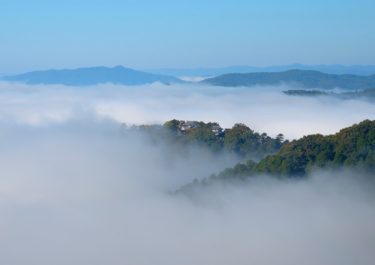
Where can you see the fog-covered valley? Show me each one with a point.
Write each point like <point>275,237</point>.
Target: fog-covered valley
<point>79,187</point>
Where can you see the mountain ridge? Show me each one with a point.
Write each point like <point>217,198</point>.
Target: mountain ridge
<point>215,71</point>
<point>86,76</point>
<point>304,78</point>
<point>351,148</point>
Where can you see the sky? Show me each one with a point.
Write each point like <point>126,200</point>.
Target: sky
<point>144,34</point>
<point>77,187</point>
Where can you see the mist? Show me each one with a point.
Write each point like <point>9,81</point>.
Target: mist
<point>76,188</point>
<point>264,109</point>
<point>94,196</point>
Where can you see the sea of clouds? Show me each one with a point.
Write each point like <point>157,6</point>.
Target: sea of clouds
<point>76,189</point>
<point>264,109</point>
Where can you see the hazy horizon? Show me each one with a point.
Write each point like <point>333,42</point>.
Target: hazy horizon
<point>199,71</point>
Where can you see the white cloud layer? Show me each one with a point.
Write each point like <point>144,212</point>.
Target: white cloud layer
<point>91,196</point>
<point>74,189</point>
<point>264,109</point>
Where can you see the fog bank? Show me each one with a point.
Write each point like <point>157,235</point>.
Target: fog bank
<point>96,196</point>
<point>76,188</point>
<point>265,109</point>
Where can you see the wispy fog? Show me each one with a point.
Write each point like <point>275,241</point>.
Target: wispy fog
<point>76,189</point>
<point>94,196</point>
<point>265,109</point>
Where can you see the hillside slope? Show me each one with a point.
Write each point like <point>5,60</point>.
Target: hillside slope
<point>352,147</point>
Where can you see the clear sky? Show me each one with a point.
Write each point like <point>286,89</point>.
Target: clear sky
<point>40,34</point>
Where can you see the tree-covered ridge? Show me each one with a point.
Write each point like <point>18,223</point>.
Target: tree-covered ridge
<point>239,139</point>
<point>358,94</point>
<point>352,147</point>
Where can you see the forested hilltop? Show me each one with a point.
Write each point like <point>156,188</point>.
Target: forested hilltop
<point>352,147</point>
<point>240,139</point>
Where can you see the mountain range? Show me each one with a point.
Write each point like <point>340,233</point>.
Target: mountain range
<point>209,72</point>
<point>300,78</point>
<point>126,76</point>
<point>92,76</point>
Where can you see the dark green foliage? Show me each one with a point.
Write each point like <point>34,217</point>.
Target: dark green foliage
<point>298,157</point>
<point>356,145</point>
<point>203,134</point>
<point>172,125</point>
<point>353,147</point>
<point>240,139</point>
<point>309,93</point>
<point>358,94</point>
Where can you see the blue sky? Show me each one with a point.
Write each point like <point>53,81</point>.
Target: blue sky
<point>143,34</point>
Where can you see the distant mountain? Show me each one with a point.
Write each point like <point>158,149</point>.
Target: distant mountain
<point>301,78</point>
<point>92,76</point>
<point>328,69</point>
